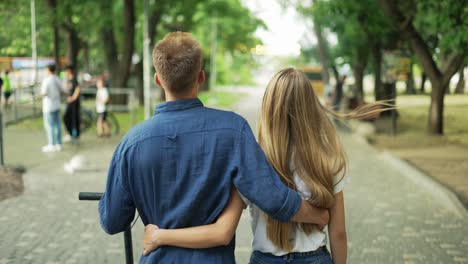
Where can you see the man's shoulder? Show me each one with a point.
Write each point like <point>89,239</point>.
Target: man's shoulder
<point>47,78</point>
<point>213,119</point>
<point>139,131</point>
<point>225,118</point>
<point>46,81</point>
<point>50,78</point>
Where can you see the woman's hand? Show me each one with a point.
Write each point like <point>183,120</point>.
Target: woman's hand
<point>150,239</point>
<point>216,234</point>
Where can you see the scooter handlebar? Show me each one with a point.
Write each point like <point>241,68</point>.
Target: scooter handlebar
<point>90,196</point>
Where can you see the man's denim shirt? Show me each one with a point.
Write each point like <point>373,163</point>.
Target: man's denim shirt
<point>177,170</point>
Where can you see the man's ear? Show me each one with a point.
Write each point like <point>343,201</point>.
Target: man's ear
<point>201,77</point>
<point>157,80</point>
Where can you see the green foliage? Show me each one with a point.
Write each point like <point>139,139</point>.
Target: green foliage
<point>236,28</point>
<point>235,68</point>
<point>443,24</point>
<point>412,121</point>
<point>357,24</point>
<point>222,99</point>
<point>236,25</point>
<point>15,32</point>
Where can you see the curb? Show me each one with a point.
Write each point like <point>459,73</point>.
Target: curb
<point>443,194</point>
<point>439,191</point>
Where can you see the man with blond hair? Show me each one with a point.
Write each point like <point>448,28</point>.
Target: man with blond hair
<point>178,167</point>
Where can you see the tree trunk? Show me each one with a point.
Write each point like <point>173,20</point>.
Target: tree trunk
<point>358,73</point>
<point>52,4</point>
<point>119,69</point>
<point>336,74</point>
<point>377,53</point>
<point>72,43</point>
<point>410,81</point>
<point>128,42</point>
<point>86,56</point>
<point>56,51</point>
<point>140,87</point>
<point>359,67</point>
<point>110,54</point>
<point>154,19</point>
<point>322,51</point>
<point>112,61</point>
<point>423,82</point>
<point>460,89</point>
<point>436,110</point>
<point>440,78</point>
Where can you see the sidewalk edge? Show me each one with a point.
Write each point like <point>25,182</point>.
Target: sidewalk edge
<point>439,191</point>
<point>446,196</point>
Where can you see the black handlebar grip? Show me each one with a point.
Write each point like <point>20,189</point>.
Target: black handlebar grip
<point>90,196</point>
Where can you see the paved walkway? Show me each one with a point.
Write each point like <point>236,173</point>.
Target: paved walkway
<point>390,217</point>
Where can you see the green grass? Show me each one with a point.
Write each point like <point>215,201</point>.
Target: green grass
<point>30,124</point>
<point>413,120</point>
<point>218,99</point>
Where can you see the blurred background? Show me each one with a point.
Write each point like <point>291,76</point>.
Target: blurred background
<point>409,166</point>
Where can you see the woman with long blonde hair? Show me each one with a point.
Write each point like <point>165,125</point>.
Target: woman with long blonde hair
<point>300,141</point>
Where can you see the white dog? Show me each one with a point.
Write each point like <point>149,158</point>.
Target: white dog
<point>77,163</point>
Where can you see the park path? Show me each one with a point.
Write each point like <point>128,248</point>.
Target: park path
<point>391,218</point>
<point>47,224</point>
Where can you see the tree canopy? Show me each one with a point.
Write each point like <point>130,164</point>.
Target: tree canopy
<point>98,35</point>
<point>433,31</point>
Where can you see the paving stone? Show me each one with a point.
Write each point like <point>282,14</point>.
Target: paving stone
<point>390,219</point>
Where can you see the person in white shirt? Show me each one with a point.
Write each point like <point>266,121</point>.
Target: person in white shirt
<point>301,143</point>
<point>51,90</point>
<point>102,98</point>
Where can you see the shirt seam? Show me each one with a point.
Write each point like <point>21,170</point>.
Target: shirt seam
<point>238,143</point>
<point>185,133</point>
<point>118,161</point>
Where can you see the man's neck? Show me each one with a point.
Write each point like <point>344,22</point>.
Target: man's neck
<point>172,97</point>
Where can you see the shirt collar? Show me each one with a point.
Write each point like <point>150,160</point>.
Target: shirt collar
<point>177,105</point>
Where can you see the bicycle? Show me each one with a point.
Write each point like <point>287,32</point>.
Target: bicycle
<point>89,119</point>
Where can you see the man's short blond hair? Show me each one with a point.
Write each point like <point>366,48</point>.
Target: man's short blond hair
<point>177,59</point>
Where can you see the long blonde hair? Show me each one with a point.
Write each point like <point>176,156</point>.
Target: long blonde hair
<point>294,126</point>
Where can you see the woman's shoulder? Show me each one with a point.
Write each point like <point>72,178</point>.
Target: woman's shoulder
<point>340,181</point>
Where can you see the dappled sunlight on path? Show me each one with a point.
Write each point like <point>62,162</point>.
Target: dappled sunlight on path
<point>391,217</point>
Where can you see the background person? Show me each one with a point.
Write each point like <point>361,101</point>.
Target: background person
<point>338,93</point>
<point>102,99</point>
<point>6,87</point>
<point>1,88</point>
<point>51,90</point>
<point>72,111</point>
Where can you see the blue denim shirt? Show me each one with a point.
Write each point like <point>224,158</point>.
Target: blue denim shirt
<point>177,170</point>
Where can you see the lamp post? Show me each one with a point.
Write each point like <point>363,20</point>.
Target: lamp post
<point>33,39</point>
<point>214,46</point>
<point>146,61</point>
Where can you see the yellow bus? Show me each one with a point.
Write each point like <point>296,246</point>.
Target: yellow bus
<point>314,73</point>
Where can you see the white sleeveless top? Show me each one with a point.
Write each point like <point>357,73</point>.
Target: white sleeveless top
<point>301,241</point>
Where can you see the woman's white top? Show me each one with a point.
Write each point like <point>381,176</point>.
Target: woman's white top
<point>301,241</point>
<point>102,95</point>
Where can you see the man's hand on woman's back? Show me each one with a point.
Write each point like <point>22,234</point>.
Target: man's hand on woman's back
<point>310,214</point>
